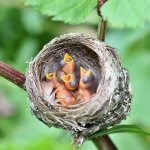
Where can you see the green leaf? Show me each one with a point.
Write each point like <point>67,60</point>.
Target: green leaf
<point>121,129</point>
<point>130,13</point>
<point>121,13</point>
<point>69,11</point>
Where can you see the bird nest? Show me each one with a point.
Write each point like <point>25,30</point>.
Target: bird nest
<point>110,100</point>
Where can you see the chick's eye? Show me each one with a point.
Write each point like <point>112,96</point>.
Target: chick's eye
<point>73,83</point>
<point>62,62</point>
<point>86,79</point>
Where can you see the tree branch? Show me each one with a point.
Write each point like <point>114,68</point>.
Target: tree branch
<point>102,23</point>
<point>104,143</point>
<point>12,75</point>
<point>101,29</point>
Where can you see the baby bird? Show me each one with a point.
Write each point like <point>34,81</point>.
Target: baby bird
<point>86,77</point>
<point>64,96</point>
<point>47,88</point>
<point>49,95</point>
<point>83,94</point>
<point>59,74</point>
<point>52,78</point>
<point>70,81</point>
<point>67,64</point>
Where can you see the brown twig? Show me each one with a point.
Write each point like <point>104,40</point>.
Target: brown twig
<point>104,143</point>
<point>12,75</point>
<point>101,30</point>
<point>103,22</point>
<point>100,3</point>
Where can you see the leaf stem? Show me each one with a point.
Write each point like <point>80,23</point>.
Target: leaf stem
<point>12,75</point>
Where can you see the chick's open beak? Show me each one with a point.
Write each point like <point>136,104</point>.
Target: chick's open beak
<point>67,64</point>
<point>86,77</point>
<point>70,82</point>
<point>68,58</point>
<point>52,78</point>
<point>87,73</point>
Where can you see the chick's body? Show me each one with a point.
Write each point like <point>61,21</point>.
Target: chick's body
<point>85,83</point>
<point>83,94</point>
<point>70,82</point>
<point>66,84</point>
<point>64,96</point>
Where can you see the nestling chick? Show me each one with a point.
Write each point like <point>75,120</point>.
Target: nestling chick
<point>85,83</point>
<point>86,77</point>
<point>47,88</point>
<point>83,94</point>
<point>59,74</point>
<point>53,78</point>
<point>67,64</point>
<point>70,81</point>
<point>64,96</point>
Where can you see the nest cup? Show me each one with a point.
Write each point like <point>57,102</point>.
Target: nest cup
<point>109,105</point>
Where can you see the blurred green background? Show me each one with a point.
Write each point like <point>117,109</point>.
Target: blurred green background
<point>23,32</point>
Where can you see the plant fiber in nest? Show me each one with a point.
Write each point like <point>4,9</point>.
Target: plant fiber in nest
<point>107,107</point>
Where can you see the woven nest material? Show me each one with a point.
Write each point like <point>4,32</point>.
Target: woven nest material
<point>107,107</point>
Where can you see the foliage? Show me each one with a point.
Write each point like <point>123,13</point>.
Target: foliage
<point>69,11</point>
<point>121,129</point>
<point>118,12</point>
<point>130,13</point>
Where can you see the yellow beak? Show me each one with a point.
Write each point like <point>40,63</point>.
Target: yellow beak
<point>86,77</point>
<point>69,81</point>
<point>84,72</point>
<point>68,58</point>
<point>50,76</point>
<point>69,64</point>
